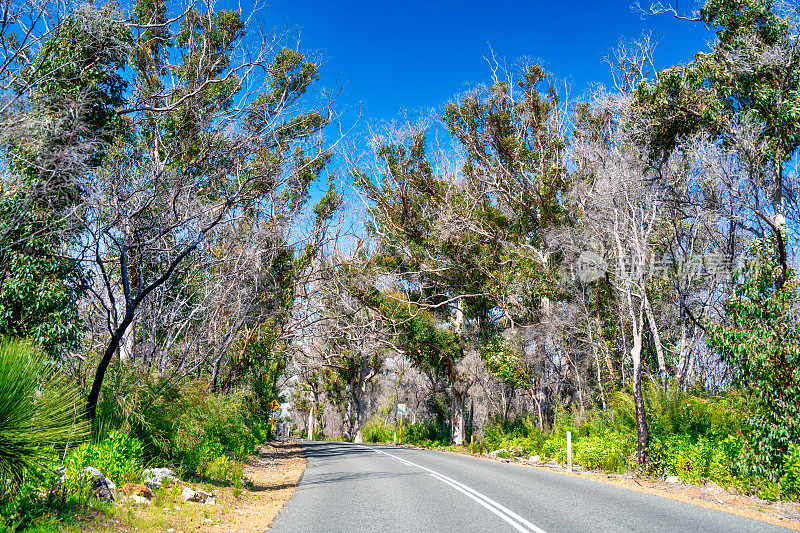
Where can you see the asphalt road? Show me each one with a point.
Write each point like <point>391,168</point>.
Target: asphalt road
<point>351,487</point>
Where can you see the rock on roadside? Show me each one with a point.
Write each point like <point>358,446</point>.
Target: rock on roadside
<point>155,477</point>
<point>199,496</point>
<point>102,486</point>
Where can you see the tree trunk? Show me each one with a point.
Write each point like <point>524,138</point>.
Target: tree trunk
<point>683,355</point>
<point>102,366</point>
<point>126,345</point>
<point>651,320</point>
<point>347,422</point>
<point>358,418</point>
<point>458,418</point>
<point>642,435</point>
<point>311,422</point>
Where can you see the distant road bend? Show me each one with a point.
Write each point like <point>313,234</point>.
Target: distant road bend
<point>352,487</point>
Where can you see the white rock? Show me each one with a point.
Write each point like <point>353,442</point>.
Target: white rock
<point>198,496</point>
<point>93,472</point>
<point>103,487</point>
<point>155,477</point>
<point>140,499</point>
<point>494,453</point>
<point>673,479</point>
<point>535,459</point>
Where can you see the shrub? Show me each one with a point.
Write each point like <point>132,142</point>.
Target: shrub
<point>224,469</point>
<point>607,451</point>
<point>27,508</point>
<point>183,425</point>
<point>419,432</point>
<point>790,482</point>
<point>695,460</point>
<point>38,410</point>
<point>694,415</point>
<point>118,457</point>
<point>519,432</point>
<point>377,430</point>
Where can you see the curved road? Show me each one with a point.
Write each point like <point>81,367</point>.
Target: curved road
<point>352,487</point>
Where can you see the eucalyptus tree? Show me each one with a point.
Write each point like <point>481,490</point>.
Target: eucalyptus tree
<point>432,260</point>
<point>216,131</point>
<point>60,92</point>
<point>470,239</point>
<point>743,93</point>
<point>354,336</point>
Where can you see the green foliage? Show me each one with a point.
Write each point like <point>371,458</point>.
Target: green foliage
<point>790,482</point>
<point>224,469</point>
<point>694,460</point>
<point>118,456</point>
<point>695,437</point>
<point>423,433</point>
<point>39,288</point>
<point>517,433</point>
<point>39,409</point>
<point>428,346</point>
<point>183,425</point>
<point>506,363</point>
<point>376,430</point>
<point>761,342</point>
<point>694,415</point>
<point>38,503</point>
<point>713,92</point>
<point>74,86</point>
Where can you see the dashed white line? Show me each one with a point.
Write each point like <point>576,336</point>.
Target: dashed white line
<point>516,521</point>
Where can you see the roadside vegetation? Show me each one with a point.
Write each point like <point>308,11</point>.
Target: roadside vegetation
<point>695,437</point>
<point>185,240</point>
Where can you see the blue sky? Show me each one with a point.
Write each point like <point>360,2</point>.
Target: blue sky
<point>416,55</point>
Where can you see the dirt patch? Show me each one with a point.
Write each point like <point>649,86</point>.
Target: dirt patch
<point>272,474</point>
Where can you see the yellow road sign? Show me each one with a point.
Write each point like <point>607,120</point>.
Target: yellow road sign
<point>275,405</point>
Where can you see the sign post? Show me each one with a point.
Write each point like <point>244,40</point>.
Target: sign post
<point>401,410</point>
<point>569,451</point>
<point>274,405</point>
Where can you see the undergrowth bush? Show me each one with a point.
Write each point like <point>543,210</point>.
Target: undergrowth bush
<point>694,460</point>
<point>182,425</point>
<point>520,432</point>
<point>118,457</point>
<point>694,436</point>
<point>420,433</point>
<point>377,430</point>
<point>790,482</point>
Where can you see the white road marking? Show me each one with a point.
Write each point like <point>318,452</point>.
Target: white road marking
<point>516,521</point>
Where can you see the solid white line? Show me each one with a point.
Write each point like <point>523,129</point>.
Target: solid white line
<point>508,519</point>
<point>500,510</point>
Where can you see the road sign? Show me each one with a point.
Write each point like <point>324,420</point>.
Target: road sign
<point>275,405</point>
<point>401,409</point>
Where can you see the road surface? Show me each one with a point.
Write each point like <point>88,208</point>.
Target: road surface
<point>351,487</point>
